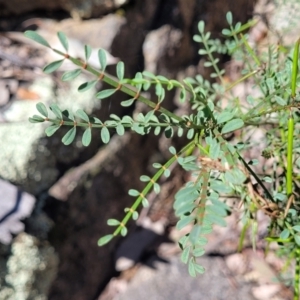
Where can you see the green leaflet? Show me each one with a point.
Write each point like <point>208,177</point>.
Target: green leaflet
<point>69,136</point>
<point>63,40</point>
<point>37,38</point>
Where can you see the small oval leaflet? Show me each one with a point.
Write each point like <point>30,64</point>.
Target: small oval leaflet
<point>41,107</point>
<point>56,110</point>
<point>102,59</point>
<point>53,66</point>
<point>296,228</point>
<point>195,234</point>
<point>120,129</point>
<point>87,52</point>
<point>87,137</point>
<point>198,252</point>
<point>145,202</point>
<point>36,119</point>
<point>229,17</point>
<point>133,193</point>
<point>105,93</point>
<point>124,231</point>
<point>232,125</point>
<point>201,26</point>
<point>127,103</point>
<point>63,39</point>
<point>82,115</point>
<point>105,136</point>
<point>51,129</point>
<point>191,268</point>
<point>69,75</point>
<point>105,239</point>
<point>69,136</point>
<point>184,222</point>
<point>37,38</point>
<point>86,86</point>
<point>113,222</point>
<point>120,70</point>
<point>224,116</point>
<point>185,255</point>
<point>284,234</point>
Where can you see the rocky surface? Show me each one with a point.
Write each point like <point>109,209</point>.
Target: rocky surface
<point>77,8</point>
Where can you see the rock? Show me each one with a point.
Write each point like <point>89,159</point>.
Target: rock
<point>29,271</point>
<point>100,194</point>
<point>32,160</point>
<point>28,158</point>
<point>171,281</point>
<point>15,205</point>
<point>136,243</point>
<point>77,8</point>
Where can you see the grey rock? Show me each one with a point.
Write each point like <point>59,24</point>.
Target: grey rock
<point>171,281</point>
<point>29,270</point>
<point>27,157</point>
<point>77,8</point>
<point>15,205</point>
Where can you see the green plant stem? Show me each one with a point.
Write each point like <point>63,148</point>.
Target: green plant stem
<point>250,50</point>
<point>97,125</point>
<point>242,79</point>
<point>114,82</point>
<point>148,187</point>
<point>289,168</point>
